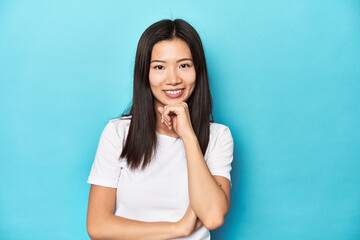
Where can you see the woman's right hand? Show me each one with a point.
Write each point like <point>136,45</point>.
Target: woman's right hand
<point>189,222</point>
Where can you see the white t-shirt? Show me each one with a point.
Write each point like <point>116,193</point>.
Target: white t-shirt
<point>160,192</point>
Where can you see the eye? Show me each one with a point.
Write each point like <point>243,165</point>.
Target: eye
<point>185,65</point>
<point>159,67</point>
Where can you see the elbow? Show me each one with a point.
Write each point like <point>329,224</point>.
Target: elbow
<point>213,223</point>
<point>93,231</point>
<point>97,227</point>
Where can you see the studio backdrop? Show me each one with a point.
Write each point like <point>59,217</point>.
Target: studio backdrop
<point>285,78</point>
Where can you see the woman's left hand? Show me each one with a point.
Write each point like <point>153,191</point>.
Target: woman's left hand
<point>177,117</point>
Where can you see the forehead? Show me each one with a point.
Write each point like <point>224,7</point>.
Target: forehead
<point>170,49</point>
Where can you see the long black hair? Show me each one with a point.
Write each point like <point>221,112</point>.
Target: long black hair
<point>141,139</point>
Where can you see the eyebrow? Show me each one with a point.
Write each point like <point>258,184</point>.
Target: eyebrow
<point>180,60</point>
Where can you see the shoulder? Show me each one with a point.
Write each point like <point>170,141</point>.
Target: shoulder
<point>118,127</point>
<point>220,140</point>
<point>120,123</point>
<point>219,135</point>
<point>217,129</point>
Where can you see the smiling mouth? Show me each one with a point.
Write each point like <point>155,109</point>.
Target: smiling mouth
<point>174,93</point>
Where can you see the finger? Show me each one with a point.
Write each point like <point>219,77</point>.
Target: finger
<point>164,112</point>
<point>198,224</point>
<point>166,122</point>
<point>161,110</point>
<point>171,111</point>
<point>167,116</point>
<point>171,115</point>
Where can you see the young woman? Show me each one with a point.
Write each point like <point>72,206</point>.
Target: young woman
<point>163,171</point>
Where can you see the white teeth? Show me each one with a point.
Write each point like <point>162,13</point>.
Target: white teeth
<point>173,92</point>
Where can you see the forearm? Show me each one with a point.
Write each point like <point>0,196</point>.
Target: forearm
<point>207,198</point>
<point>115,228</point>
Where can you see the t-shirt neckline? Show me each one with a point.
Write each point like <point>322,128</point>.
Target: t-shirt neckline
<point>166,136</point>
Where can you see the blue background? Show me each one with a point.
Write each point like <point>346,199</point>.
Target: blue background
<point>285,77</point>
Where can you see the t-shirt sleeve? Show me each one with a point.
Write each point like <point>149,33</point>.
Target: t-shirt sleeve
<point>105,170</point>
<point>221,156</point>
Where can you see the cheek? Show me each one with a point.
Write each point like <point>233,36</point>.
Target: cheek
<point>191,78</point>
<point>155,80</point>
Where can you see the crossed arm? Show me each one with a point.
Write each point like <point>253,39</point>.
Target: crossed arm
<point>103,224</point>
<point>209,195</point>
<point>209,203</point>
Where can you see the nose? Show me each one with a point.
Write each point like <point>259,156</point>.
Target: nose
<point>173,77</point>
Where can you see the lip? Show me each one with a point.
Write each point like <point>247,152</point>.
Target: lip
<point>174,95</point>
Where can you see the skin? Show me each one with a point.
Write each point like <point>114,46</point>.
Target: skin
<point>172,68</point>
<point>209,195</point>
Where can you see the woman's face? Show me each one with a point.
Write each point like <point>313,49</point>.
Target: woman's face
<point>172,73</point>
